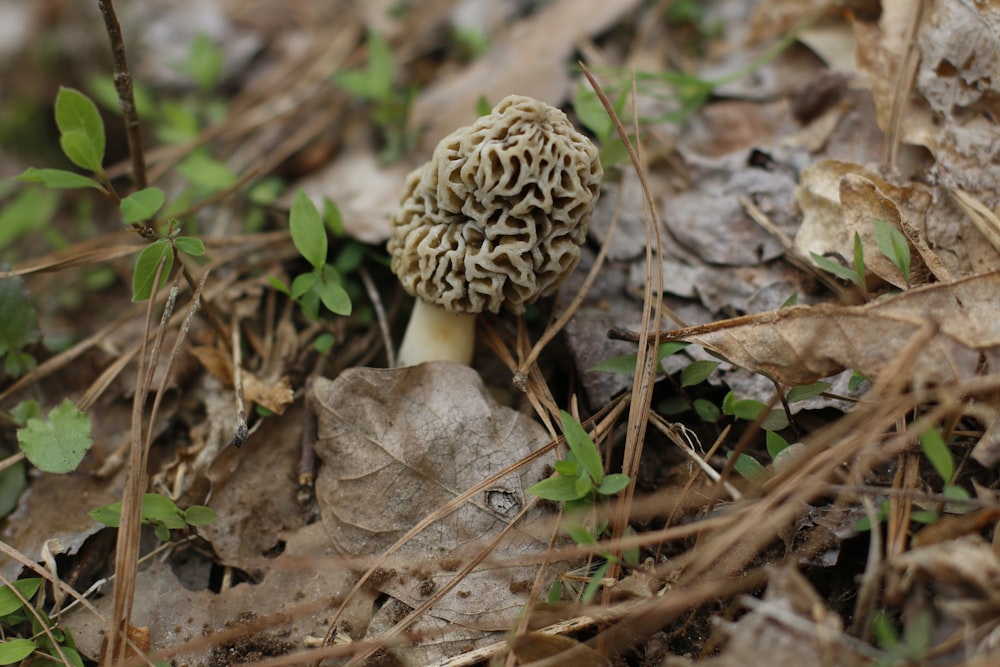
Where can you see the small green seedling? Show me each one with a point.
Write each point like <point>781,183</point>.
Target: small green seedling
<point>588,108</point>
<point>910,648</point>
<point>390,105</point>
<point>855,273</point>
<point>894,246</point>
<point>323,284</point>
<point>159,511</point>
<point>580,480</point>
<point>16,619</point>
<point>18,327</point>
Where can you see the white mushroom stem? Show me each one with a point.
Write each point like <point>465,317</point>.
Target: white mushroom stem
<point>435,334</point>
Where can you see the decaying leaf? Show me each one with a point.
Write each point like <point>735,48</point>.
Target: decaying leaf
<point>274,396</point>
<point>396,445</point>
<point>801,344</point>
<point>792,626</point>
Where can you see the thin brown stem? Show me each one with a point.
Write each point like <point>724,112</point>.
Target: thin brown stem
<point>126,98</point>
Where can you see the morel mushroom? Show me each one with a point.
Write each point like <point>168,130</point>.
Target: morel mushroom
<point>494,220</point>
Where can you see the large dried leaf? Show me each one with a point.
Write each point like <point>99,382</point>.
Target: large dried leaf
<point>801,344</point>
<point>397,444</point>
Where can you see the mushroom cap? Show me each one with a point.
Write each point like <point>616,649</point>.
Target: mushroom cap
<point>496,217</point>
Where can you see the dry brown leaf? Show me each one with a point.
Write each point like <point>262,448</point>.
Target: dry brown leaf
<point>792,626</point>
<point>549,36</point>
<point>275,396</point>
<point>397,444</point>
<point>801,344</point>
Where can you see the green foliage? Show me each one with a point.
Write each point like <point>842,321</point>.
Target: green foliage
<point>10,602</point>
<point>146,264</point>
<point>806,391</point>
<point>18,327</point>
<point>588,108</point>
<point>14,617</point>
<point>697,372</point>
<point>13,482</point>
<point>323,284</point>
<point>390,106</point>
<point>912,646</point>
<point>141,205</point>
<point>855,274</point>
<point>750,409</point>
<point>160,512</point>
<point>893,245</point>
<point>28,211</point>
<point>59,179</point>
<point>204,62</point>
<point>580,478</point>
<point>58,443</point>
<point>626,363</point>
<point>81,130</point>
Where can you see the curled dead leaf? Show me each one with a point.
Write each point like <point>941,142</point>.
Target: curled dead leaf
<point>274,396</point>
<point>802,344</point>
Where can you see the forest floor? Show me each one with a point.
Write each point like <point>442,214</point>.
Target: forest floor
<point>782,331</point>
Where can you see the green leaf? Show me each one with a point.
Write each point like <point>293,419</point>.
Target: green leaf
<point>774,443</point>
<point>380,67</point>
<point>109,515</point>
<point>612,484</point>
<point>790,301</point>
<point>333,296</point>
<point>59,443</point>
<point>556,591</point>
<point>324,342</point>
<point>582,446</point>
<point>199,515</point>
<point>18,321</point>
<point>622,363</point>
<point>596,580</point>
<point>584,485</point>
<point>923,516</point>
<point>953,492</point>
<point>162,532</point>
<point>673,405</point>
<point>697,372</point>
<point>483,106</point>
<point>81,129</point>
<point>588,108</point>
<point>13,651</point>
<point>894,245</point>
<point>333,219</point>
<point>190,245</point>
<point>13,482</point>
<point>836,269</point>
<point>141,205</point>
<point>204,62</point>
<point>859,260</point>
<point>938,454</point>
<point>308,231</point>
<point>9,602</point>
<point>706,410</point>
<point>206,172</point>
<point>776,420</point>
<point>557,488</point>
<point>31,210</point>
<point>567,468</point>
<point>750,469</point>
<point>58,179</point>
<point>580,534</point>
<point>806,391</point>
<point>857,379</point>
<point>158,508</point>
<point>145,268</point>
<point>303,283</point>
<point>279,285</point>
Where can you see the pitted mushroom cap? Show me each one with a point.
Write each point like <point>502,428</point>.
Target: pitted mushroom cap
<point>497,216</point>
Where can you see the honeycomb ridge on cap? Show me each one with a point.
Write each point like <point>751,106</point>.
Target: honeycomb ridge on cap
<point>495,219</point>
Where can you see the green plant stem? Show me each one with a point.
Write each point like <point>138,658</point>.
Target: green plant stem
<point>126,98</point>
